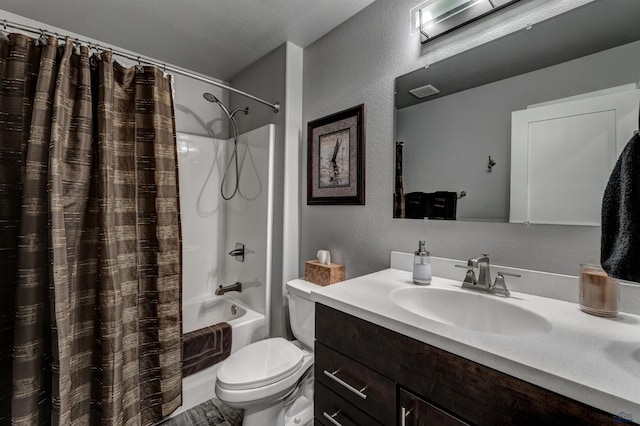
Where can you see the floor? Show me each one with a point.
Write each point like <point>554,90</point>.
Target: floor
<point>210,413</point>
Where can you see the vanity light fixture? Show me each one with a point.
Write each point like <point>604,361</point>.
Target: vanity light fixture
<point>433,18</point>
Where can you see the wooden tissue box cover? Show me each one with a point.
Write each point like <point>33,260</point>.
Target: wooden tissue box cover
<point>320,274</point>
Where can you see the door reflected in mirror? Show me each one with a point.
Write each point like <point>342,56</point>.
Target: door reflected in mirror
<point>454,122</point>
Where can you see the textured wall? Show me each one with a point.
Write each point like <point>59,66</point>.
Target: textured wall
<point>357,63</point>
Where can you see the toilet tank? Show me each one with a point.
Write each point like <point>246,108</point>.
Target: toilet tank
<point>302,311</point>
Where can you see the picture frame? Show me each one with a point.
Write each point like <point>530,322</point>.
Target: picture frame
<point>336,158</point>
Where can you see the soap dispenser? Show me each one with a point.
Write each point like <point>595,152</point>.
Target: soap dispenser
<point>422,265</point>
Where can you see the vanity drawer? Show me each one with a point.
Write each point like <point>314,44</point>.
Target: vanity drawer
<point>332,410</point>
<point>361,386</point>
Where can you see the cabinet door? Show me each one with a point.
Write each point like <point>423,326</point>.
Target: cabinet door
<point>414,411</point>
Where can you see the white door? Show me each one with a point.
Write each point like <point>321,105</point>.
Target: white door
<point>562,155</point>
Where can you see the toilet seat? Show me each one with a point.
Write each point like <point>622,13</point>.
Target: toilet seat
<point>260,364</point>
<point>247,389</point>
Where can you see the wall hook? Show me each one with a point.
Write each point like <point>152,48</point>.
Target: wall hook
<point>491,164</point>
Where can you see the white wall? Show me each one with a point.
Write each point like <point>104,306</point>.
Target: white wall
<point>248,219</point>
<point>357,63</point>
<point>200,164</point>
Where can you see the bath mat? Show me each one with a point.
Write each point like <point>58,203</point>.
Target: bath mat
<point>205,347</point>
<point>210,413</point>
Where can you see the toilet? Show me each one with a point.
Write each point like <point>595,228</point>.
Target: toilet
<point>262,376</point>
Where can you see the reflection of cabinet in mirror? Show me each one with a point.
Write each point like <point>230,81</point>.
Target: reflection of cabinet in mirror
<point>562,154</point>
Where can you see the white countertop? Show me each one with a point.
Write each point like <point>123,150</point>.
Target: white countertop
<point>590,359</point>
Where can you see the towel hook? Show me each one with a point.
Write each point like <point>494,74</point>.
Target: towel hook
<point>491,164</point>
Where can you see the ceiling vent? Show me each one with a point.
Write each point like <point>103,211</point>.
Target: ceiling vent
<point>424,91</point>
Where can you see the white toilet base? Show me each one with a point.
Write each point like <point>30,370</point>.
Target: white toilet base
<point>264,415</point>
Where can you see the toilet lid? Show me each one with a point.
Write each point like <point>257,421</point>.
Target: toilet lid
<point>260,364</point>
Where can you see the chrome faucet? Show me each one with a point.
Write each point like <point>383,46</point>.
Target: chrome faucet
<point>483,282</point>
<point>484,272</point>
<point>238,252</point>
<point>237,286</point>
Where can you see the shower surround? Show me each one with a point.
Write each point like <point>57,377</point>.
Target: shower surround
<point>210,228</point>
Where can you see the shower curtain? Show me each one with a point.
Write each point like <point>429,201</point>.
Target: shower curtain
<point>90,266</point>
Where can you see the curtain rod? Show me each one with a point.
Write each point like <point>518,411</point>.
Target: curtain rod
<point>140,59</point>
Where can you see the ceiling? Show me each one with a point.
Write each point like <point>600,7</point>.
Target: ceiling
<point>217,38</point>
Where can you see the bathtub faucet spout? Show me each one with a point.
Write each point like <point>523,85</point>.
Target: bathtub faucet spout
<point>237,286</point>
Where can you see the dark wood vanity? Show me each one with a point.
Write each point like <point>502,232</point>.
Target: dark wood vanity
<point>369,375</point>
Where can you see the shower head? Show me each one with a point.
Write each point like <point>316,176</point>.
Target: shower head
<point>210,98</point>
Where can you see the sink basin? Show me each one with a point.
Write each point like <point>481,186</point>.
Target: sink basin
<point>470,310</point>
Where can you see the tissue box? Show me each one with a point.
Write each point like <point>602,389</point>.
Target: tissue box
<point>320,274</point>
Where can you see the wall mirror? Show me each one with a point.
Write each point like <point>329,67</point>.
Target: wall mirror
<point>455,121</point>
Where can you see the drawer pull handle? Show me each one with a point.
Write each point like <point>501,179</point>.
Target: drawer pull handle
<point>345,384</point>
<point>404,413</point>
<point>331,418</point>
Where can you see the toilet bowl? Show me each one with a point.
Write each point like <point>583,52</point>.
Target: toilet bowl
<point>259,377</point>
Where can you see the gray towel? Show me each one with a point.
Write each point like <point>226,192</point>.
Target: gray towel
<point>205,347</point>
<point>620,243</point>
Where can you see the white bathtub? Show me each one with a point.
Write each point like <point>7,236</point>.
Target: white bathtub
<point>247,326</point>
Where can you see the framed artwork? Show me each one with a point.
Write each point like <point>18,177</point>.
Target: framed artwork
<point>335,154</point>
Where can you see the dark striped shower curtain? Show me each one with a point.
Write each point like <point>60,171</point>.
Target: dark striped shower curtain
<point>90,291</point>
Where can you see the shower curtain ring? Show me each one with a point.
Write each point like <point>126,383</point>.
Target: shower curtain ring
<point>42,40</point>
<point>5,25</point>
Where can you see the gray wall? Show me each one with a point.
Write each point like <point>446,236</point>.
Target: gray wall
<point>265,79</point>
<point>448,140</point>
<point>357,63</point>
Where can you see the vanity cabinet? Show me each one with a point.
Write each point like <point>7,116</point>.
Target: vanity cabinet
<point>407,380</point>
